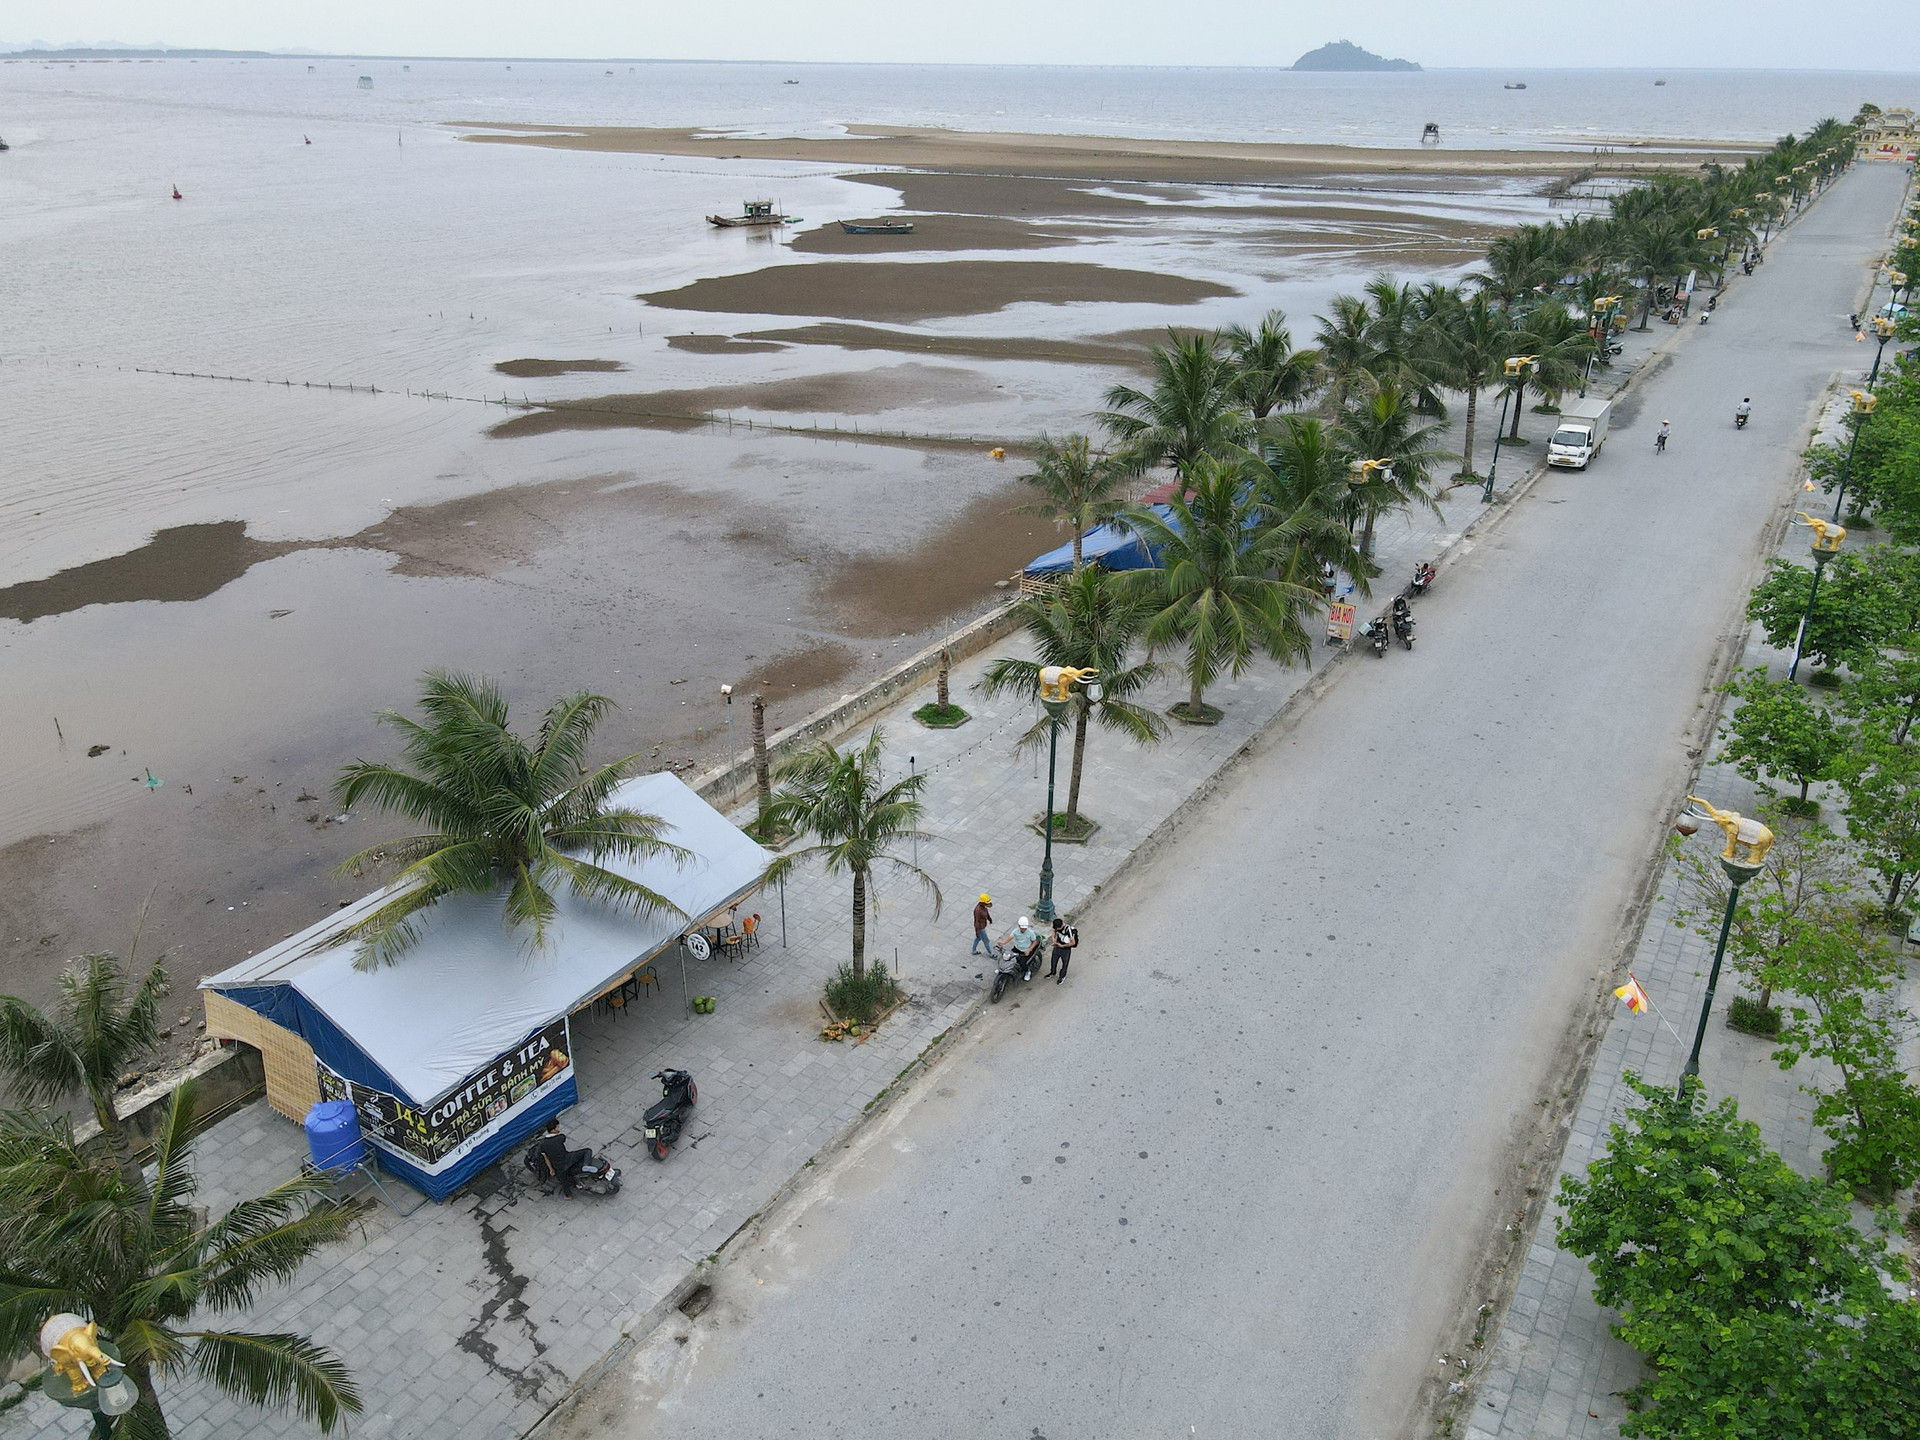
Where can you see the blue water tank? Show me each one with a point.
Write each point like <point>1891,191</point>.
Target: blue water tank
<point>333,1136</point>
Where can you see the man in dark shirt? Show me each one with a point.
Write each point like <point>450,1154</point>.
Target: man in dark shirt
<point>556,1161</point>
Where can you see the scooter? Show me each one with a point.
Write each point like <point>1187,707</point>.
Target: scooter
<point>666,1116</point>
<point>1739,421</point>
<point>597,1175</point>
<point>1403,621</point>
<point>1012,966</point>
<point>1378,632</point>
<point>1423,577</point>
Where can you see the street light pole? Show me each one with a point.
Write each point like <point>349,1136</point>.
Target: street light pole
<point>1517,365</point>
<point>1742,834</point>
<point>1883,329</point>
<point>1863,404</point>
<point>1827,539</point>
<point>1056,691</point>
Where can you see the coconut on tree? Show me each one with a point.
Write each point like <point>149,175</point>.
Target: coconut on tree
<point>500,815</point>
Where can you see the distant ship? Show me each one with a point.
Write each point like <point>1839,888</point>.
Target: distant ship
<point>1659,82</point>
<point>1515,85</point>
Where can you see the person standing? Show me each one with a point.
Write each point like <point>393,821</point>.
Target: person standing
<point>982,919</point>
<point>1065,937</point>
<point>1660,440</point>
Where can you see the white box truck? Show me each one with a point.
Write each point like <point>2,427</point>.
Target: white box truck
<point>1581,433</point>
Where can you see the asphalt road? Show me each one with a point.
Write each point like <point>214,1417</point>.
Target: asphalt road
<point>1232,1179</point>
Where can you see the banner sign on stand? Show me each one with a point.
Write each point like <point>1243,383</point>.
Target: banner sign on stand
<point>446,1132</point>
<point>1340,621</point>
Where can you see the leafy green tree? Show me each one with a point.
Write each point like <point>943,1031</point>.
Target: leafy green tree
<point>1845,975</point>
<point>77,1236</point>
<point>499,812</point>
<point>1089,621</point>
<point>1885,693</point>
<point>96,1033</point>
<point>1215,591</point>
<point>1780,732</point>
<point>1383,425</point>
<point>1269,373</point>
<point>1757,1305</point>
<point>1864,603</point>
<point>1077,485</point>
<point>841,799</point>
<point>1881,783</point>
<point>1192,409</point>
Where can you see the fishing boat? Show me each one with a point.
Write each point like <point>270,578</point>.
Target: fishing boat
<point>4,145</point>
<point>884,227</point>
<point>753,213</point>
<point>1514,85</point>
<point>1659,82</point>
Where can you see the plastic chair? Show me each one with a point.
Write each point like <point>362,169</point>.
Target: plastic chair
<point>750,931</point>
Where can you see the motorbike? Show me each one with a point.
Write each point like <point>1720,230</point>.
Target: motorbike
<point>1378,631</point>
<point>597,1175</point>
<point>1403,621</point>
<point>1012,966</point>
<point>1739,421</point>
<point>666,1116</point>
<point>1423,577</point>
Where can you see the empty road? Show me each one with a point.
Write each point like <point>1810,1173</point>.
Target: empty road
<point>1233,1179</point>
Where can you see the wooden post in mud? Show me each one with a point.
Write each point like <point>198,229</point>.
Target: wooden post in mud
<point>760,780</point>
<point>946,664</point>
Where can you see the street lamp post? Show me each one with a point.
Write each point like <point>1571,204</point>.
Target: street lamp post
<point>1863,404</point>
<point>1883,330</point>
<point>1517,365</point>
<point>1747,845</point>
<point>1827,539</point>
<point>86,1371</point>
<point>1056,693</point>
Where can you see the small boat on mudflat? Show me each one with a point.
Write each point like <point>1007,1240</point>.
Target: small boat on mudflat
<point>753,212</point>
<point>883,227</point>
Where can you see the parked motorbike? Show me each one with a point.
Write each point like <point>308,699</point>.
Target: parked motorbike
<point>666,1116</point>
<point>1423,577</point>
<point>597,1175</point>
<point>1378,631</point>
<point>1012,966</point>
<point>1403,621</point>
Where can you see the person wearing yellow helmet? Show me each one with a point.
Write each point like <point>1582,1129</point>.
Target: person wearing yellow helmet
<point>982,921</point>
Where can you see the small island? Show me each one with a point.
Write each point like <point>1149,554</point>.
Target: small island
<point>1345,55</point>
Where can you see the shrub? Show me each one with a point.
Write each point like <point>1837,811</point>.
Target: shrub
<point>862,995</point>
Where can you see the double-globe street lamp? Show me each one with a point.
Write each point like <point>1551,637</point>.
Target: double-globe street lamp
<point>1883,331</point>
<point>1863,405</point>
<point>1517,366</point>
<point>1747,844</point>
<point>1056,693</point>
<point>86,1371</point>
<point>1827,539</point>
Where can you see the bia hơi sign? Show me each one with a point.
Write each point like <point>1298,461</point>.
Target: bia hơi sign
<point>447,1131</point>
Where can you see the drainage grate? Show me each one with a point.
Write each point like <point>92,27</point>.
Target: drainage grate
<point>697,1300</point>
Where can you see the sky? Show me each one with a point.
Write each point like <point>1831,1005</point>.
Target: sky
<point>1670,34</point>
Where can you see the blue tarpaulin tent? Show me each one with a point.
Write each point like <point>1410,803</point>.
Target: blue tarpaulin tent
<point>1109,546</point>
<point>461,1048</point>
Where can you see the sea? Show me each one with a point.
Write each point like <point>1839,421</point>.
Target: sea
<point>334,232</point>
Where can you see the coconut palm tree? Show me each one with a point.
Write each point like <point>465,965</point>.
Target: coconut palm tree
<point>96,1033</point>
<point>1192,409</point>
<point>1078,486</point>
<point>1346,344</point>
<point>1216,591</point>
<point>1560,346</point>
<point>1471,340</point>
<point>1660,247</point>
<point>1401,321</point>
<point>1518,264</point>
<point>500,812</point>
<point>1302,480</point>
<point>1268,372</point>
<point>843,801</point>
<point>77,1237</point>
<point>1384,426</point>
<point>1089,621</point>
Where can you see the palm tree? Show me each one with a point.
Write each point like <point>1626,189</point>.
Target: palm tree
<point>96,1033</point>
<point>1471,340</point>
<point>76,1236</point>
<point>1269,372</point>
<point>1383,426</point>
<point>1193,408</point>
<point>500,811</point>
<point>1089,621</point>
<point>1657,247</point>
<point>1560,346</point>
<point>1401,321</point>
<point>1519,263</point>
<point>842,800</point>
<point>1302,481</point>
<point>1077,485</point>
<point>1346,346</point>
<point>1215,590</point>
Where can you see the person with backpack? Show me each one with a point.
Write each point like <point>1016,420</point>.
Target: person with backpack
<point>1065,937</point>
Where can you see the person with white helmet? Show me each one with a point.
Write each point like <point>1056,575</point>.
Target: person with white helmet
<point>1026,942</point>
